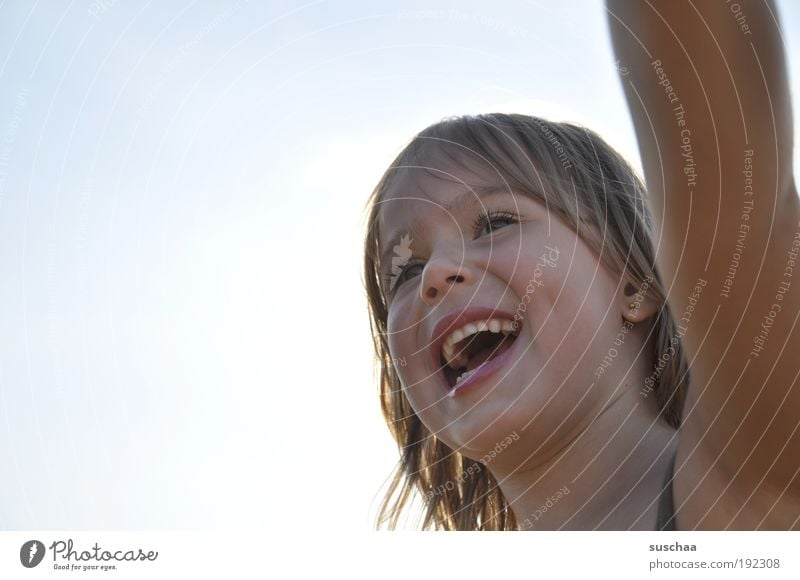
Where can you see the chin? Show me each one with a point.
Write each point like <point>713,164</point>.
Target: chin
<point>536,430</point>
<point>483,427</point>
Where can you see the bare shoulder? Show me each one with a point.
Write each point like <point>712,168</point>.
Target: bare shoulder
<point>738,462</point>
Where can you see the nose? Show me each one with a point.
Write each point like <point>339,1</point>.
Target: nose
<point>439,274</point>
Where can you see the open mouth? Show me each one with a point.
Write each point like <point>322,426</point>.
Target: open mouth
<point>473,346</point>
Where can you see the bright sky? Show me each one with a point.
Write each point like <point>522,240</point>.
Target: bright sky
<point>184,339</point>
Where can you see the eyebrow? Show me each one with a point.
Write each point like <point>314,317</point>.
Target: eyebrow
<point>478,193</point>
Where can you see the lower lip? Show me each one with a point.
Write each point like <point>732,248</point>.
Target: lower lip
<point>483,372</point>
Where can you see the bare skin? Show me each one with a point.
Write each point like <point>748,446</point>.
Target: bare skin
<point>598,436</point>
<point>708,92</point>
<point>738,450</point>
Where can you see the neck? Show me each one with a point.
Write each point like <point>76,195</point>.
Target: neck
<point>608,476</point>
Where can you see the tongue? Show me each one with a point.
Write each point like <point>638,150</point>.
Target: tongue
<point>488,353</point>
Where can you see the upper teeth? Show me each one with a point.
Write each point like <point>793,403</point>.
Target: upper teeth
<point>458,360</point>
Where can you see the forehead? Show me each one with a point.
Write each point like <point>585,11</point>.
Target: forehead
<point>425,190</point>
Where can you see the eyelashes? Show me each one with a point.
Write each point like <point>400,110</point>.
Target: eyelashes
<point>482,221</point>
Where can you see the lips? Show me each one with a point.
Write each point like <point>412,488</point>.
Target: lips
<point>452,321</point>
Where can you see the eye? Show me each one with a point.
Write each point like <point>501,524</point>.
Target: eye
<point>487,222</point>
<point>402,274</point>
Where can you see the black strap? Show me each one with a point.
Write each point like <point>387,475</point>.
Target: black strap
<point>665,520</point>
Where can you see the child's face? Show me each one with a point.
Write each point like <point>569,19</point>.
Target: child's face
<point>532,267</point>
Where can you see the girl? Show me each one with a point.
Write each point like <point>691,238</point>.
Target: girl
<point>535,325</point>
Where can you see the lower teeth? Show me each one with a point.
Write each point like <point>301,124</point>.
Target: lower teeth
<point>468,374</point>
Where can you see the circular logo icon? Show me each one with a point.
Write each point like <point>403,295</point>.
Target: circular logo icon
<point>31,553</point>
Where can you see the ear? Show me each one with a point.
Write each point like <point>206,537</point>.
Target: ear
<point>636,300</point>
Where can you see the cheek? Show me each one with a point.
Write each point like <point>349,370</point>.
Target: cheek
<point>533,257</point>
<point>403,347</point>
<point>566,290</point>
<point>411,364</point>
<point>399,331</point>
<point>584,317</point>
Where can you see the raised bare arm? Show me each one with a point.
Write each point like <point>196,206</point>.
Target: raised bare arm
<point>709,96</point>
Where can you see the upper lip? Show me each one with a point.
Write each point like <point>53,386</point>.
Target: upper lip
<point>456,319</point>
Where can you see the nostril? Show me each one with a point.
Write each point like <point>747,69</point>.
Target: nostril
<point>432,289</point>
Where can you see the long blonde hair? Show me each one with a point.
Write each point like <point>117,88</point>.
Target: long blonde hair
<point>599,195</point>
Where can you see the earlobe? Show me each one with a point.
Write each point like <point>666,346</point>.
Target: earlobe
<point>632,313</point>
